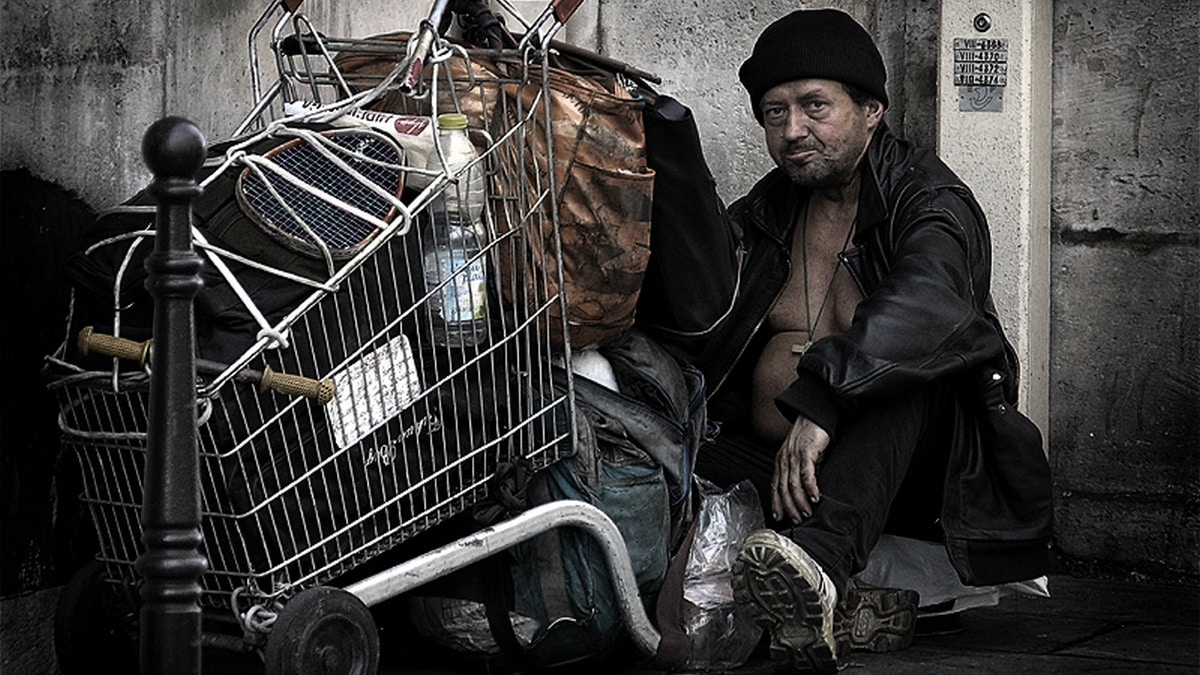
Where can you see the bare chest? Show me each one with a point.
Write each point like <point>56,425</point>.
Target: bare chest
<point>819,296</point>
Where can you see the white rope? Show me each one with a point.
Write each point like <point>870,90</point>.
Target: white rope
<point>238,290</point>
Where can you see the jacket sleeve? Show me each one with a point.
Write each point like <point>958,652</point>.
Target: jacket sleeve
<point>691,276</point>
<point>925,320</point>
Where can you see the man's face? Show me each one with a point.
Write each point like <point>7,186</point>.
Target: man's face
<point>816,132</point>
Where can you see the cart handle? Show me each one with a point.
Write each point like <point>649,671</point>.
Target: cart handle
<point>321,391</point>
<point>564,9</point>
<point>415,572</point>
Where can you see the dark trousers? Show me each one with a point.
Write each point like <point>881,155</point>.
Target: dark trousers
<point>883,472</point>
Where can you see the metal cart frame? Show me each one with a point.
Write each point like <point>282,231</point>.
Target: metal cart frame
<point>309,408</point>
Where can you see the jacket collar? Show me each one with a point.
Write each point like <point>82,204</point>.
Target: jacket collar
<point>773,204</point>
<point>872,207</point>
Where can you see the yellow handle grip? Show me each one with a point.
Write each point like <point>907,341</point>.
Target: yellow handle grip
<point>110,345</point>
<point>297,385</point>
<point>293,385</point>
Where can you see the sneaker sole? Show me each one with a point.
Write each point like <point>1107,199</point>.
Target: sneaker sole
<point>780,598</point>
<point>876,620</point>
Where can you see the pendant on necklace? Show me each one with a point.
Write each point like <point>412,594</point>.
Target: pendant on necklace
<point>800,349</point>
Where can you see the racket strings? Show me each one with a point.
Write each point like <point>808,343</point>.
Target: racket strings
<point>373,168</point>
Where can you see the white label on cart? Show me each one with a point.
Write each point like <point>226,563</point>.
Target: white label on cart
<point>372,391</point>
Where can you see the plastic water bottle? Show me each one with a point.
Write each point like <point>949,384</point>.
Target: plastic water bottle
<point>458,310</point>
<point>468,197</point>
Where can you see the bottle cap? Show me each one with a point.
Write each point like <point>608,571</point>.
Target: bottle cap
<point>452,121</point>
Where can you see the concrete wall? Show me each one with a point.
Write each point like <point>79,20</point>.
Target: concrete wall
<point>80,82</point>
<point>1126,272</point>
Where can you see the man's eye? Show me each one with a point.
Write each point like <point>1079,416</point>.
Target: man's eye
<point>773,113</point>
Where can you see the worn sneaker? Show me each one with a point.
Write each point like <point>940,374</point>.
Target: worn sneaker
<point>873,619</point>
<point>786,592</point>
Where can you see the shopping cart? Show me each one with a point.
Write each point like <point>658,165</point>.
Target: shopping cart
<point>337,421</point>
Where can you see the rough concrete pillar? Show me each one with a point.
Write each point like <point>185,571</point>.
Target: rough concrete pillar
<point>1126,333</point>
<point>994,131</point>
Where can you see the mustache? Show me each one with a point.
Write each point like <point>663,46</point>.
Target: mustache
<point>797,146</point>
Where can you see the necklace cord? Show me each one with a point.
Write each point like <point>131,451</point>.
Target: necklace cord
<point>828,290</point>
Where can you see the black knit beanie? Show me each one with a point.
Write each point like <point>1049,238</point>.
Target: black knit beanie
<point>823,44</point>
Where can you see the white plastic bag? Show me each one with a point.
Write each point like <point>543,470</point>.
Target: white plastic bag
<point>721,636</point>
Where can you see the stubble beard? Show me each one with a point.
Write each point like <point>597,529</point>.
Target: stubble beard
<point>822,173</point>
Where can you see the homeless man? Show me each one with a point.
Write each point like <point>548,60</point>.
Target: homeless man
<point>860,376</point>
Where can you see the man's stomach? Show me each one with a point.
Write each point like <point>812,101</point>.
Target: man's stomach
<point>775,372</point>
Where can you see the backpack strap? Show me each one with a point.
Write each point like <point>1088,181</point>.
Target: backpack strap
<point>674,646</point>
<point>497,592</point>
<point>500,592</point>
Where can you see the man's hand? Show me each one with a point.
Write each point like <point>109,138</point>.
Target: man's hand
<point>795,484</point>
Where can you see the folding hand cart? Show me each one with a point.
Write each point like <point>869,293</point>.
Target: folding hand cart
<point>341,428</point>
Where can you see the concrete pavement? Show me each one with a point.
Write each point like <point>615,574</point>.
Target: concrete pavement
<point>1086,626</point>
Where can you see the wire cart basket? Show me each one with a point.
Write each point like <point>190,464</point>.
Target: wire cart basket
<point>356,389</point>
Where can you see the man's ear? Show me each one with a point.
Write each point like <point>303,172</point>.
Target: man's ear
<point>874,110</point>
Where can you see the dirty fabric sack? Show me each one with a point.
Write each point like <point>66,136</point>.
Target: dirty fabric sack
<point>603,195</point>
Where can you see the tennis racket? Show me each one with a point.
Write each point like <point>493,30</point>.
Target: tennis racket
<point>324,194</point>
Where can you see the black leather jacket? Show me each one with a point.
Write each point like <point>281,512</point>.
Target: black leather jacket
<point>921,257</point>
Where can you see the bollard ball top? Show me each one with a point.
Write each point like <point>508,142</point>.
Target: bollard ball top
<point>174,147</point>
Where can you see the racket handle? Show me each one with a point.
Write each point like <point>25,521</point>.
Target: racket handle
<point>110,345</point>
<point>320,391</point>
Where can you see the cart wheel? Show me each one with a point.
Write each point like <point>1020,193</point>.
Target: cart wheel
<point>323,631</point>
<point>92,627</point>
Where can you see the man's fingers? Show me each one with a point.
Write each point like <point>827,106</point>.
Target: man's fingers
<point>792,509</point>
<point>785,487</point>
<point>809,479</point>
<point>802,488</point>
<point>795,501</point>
<point>794,488</point>
<point>779,486</point>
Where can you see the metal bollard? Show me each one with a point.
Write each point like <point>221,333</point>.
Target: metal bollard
<point>172,564</point>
